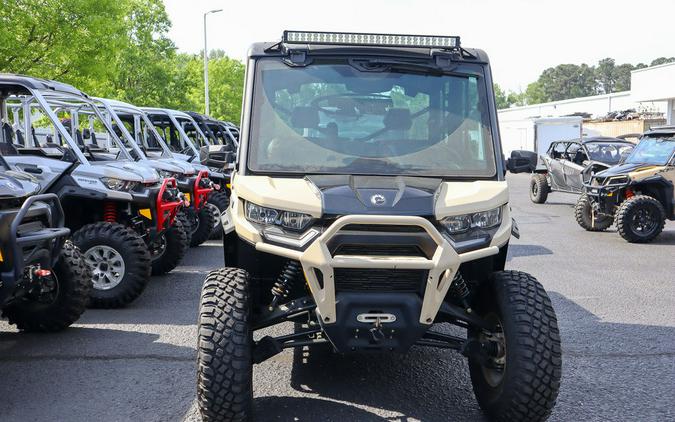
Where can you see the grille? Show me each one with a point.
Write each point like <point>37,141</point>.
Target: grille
<point>379,250</point>
<point>379,280</point>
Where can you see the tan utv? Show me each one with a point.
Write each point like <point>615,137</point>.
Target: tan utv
<point>637,195</point>
<point>368,207</point>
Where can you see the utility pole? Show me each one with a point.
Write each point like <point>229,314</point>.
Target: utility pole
<point>206,65</point>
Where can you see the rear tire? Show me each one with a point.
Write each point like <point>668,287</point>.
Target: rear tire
<point>583,213</point>
<point>640,219</point>
<point>73,280</point>
<point>224,360</point>
<point>539,188</point>
<point>172,247</point>
<point>222,201</point>
<point>207,219</point>
<point>114,249</point>
<point>527,386</point>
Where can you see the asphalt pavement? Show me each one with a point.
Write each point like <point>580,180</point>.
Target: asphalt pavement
<point>615,304</point>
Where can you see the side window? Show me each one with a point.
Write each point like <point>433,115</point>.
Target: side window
<point>559,150</point>
<point>575,153</point>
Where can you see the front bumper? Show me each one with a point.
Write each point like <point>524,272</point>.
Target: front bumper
<point>319,264</point>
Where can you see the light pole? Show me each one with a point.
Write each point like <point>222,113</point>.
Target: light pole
<point>206,64</point>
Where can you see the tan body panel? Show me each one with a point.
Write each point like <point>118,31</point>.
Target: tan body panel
<point>290,194</point>
<point>456,198</point>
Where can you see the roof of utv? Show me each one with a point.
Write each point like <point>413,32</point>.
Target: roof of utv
<point>167,111</point>
<point>271,49</point>
<point>37,83</point>
<point>120,104</point>
<point>661,130</point>
<point>595,139</point>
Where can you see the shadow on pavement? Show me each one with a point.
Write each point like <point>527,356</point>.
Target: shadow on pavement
<point>433,385</point>
<point>302,409</point>
<point>518,250</point>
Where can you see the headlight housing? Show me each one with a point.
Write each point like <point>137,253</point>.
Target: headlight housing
<point>457,224</point>
<point>269,216</point>
<point>165,174</point>
<point>113,183</point>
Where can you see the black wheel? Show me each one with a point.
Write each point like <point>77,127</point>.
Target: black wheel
<point>538,188</point>
<point>168,250</point>
<point>224,362</point>
<point>119,260</point>
<point>640,219</point>
<point>207,217</point>
<point>222,201</point>
<point>521,383</point>
<point>62,303</point>
<point>583,213</point>
<point>185,221</point>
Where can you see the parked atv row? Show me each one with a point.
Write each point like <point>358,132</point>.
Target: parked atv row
<point>130,214</point>
<point>619,183</point>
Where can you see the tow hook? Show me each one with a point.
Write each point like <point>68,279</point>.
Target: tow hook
<point>41,272</point>
<point>377,319</point>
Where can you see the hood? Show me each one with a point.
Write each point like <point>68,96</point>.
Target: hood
<point>396,195</point>
<point>162,165</point>
<point>147,174</point>
<point>623,169</point>
<point>14,184</point>
<point>185,167</point>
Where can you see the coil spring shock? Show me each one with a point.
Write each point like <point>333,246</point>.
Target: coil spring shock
<point>109,212</point>
<point>289,274</point>
<point>460,290</point>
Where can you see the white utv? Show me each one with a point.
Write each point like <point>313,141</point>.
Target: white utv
<point>369,204</point>
<point>114,207</point>
<point>171,125</point>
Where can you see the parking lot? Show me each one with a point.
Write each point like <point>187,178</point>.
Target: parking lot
<point>616,310</point>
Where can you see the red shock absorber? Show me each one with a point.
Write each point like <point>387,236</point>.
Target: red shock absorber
<point>109,212</point>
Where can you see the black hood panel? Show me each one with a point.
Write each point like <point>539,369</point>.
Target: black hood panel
<point>376,195</point>
<point>622,169</point>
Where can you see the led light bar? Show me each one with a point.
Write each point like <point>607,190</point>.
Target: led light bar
<point>352,38</point>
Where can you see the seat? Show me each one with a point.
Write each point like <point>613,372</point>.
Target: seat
<point>398,119</point>
<point>305,118</point>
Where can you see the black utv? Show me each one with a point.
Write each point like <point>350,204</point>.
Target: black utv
<point>44,280</point>
<point>637,195</point>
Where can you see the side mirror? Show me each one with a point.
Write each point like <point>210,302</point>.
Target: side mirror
<point>522,162</point>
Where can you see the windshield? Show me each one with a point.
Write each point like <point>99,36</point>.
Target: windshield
<point>331,117</point>
<point>653,150</point>
<point>608,153</point>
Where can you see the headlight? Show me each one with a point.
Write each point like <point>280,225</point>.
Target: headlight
<point>165,174</point>
<point>270,216</point>
<point>118,184</point>
<point>478,220</point>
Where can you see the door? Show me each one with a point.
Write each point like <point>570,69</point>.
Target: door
<point>554,164</point>
<point>575,156</point>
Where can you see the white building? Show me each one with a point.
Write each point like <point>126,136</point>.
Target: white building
<point>652,90</point>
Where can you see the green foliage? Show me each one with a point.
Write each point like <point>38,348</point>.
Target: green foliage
<point>116,49</point>
<point>571,81</point>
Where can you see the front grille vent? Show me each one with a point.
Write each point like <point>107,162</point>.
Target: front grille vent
<point>379,250</point>
<point>379,280</point>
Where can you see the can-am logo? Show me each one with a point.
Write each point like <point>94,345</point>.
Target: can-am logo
<point>378,200</point>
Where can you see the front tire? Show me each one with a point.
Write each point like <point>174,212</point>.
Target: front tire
<point>640,219</point>
<point>586,218</point>
<point>119,260</point>
<point>222,201</point>
<point>169,249</point>
<point>72,278</point>
<point>224,361</point>
<point>207,216</point>
<point>523,384</point>
<point>539,188</point>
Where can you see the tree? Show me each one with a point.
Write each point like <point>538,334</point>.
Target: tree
<point>662,60</point>
<point>567,81</point>
<point>500,97</point>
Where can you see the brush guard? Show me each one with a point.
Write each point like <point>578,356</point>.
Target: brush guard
<point>167,208</point>
<point>55,234</point>
<point>202,189</point>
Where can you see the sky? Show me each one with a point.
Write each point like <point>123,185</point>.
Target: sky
<point>521,37</point>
